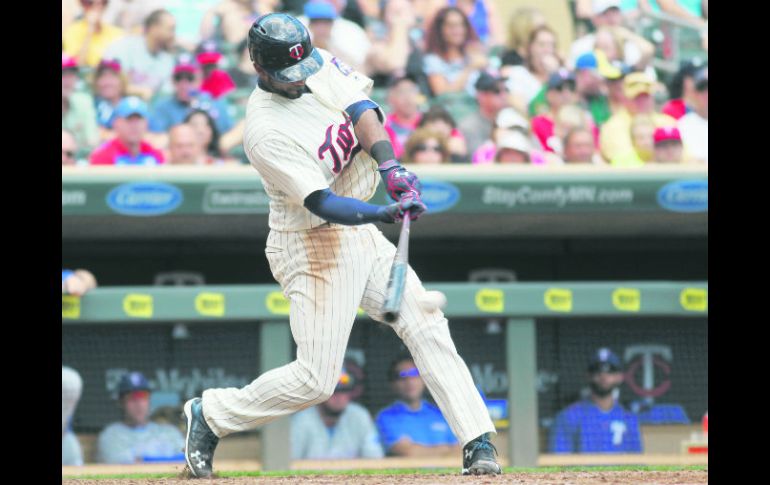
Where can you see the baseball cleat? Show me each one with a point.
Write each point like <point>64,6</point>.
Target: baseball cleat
<point>200,441</point>
<point>479,457</point>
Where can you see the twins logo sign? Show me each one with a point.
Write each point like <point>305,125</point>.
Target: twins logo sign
<point>648,357</point>
<point>296,51</point>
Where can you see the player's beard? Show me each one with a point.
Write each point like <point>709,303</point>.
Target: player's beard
<point>601,391</point>
<point>291,93</point>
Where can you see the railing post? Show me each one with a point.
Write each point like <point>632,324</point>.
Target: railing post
<point>275,351</point>
<point>521,359</point>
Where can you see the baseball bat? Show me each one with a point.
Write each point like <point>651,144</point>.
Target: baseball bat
<point>397,280</point>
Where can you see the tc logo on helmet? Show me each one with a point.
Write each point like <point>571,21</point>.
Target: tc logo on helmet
<point>296,51</point>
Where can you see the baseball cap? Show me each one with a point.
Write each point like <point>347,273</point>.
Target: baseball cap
<point>68,62</point>
<point>514,140</point>
<point>131,382</point>
<point>559,78</point>
<point>637,83</point>
<point>111,64</point>
<point>606,69</point>
<point>185,63</point>
<point>320,10</point>
<point>701,79</point>
<point>510,118</point>
<point>131,105</point>
<point>488,82</point>
<point>601,6</point>
<point>604,360</point>
<point>347,381</point>
<point>208,53</point>
<point>587,61</point>
<point>667,133</point>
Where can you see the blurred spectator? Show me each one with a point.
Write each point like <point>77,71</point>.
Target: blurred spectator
<point>206,129</point>
<point>171,110</point>
<point>492,96</point>
<point>693,11</point>
<point>484,19</point>
<point>130,14</point>
<point>512,145</point>
<point>523,21</point>
<point>70,10</point>
<point>615,139</point>
<point>136,439</point>
<point>642,149</point>
<point>637,51</point>
<point>216,82</point>
<point>454,53</point>
<point>185,147</point>
<point>69,150</point>
<point>86,39</point>
<point>396,46</point>
<point>570,117</point>
<point>681,89</point>
<point>560,91</point>
<point>230,20</point>
<point>694,126</point>
<point>77,282</point>
<point>668,145</point>
<point>598,423</point>
<point>71,389</point>
<point>614,81</point>
<point>412,426</point>
<point>109,87</point>
<point>404,102</point>
<point>148,59</point>
<point>580,147</point>
<point>243,73</point>
<point>526,80</point>
<point>335,429</point>
<point>427,147</point>
<point>340,36</point>
<point>189,16</point>
<point>591,87</point>
<point>78,115</point>
<point>438,119</point>
<point>128,147</point>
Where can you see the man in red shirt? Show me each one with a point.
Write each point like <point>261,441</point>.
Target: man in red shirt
<point>128,147</point>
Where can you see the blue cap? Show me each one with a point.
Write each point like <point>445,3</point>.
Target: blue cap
<point>131,105</point>
<point>587,61</point>
<point>133,381</point>
<point>320,9</point>
<point>605,360</point>
<point>560,77</point>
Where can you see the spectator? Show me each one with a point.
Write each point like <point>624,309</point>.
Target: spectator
<point>412,426</point>
<point>230,20</point>
<point>69,149</point>
<point>523,21</point>
<point>337,428</point>
<point>643,149</point>
<point>243,73</point>
<point>560,91</point>
<point>340,36</point>
<point>109,87</point>
<point>668,145</point>
<point>189,15</point>
<point>616,97</point>
<point>136,439</point>
<point>207,131</point>
<point>77,282</point>
<point>525,81</point>
<point>599,423</point>
<point>591,70</point>
<point>216,82</point>
<point>484,19</point>
<point>492,96</point>
<point>580,147</point>
<point>512,144</point>
<point>404,101</point>
<point>454,53</point>
<point>71,389</point>
<point>615,138</point>
<point>438,119</point>
<point>86,39</point>
<point>70,11</point>
<point>681,89</point>
<point>77,109</point>
<point>694,126</point>
<point>148,59</point>
<point>185,147</point>
<point>128,147</point>
<point>694,12</point>
<point>427,147</point>
<point>130,14</point>
<point>637,51</point>
<point>173,109</point>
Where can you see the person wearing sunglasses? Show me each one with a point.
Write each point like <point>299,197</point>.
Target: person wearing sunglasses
<point>136,439</point>
<point>412,426</point>
<point>426,147</point>
<point>87,39</point>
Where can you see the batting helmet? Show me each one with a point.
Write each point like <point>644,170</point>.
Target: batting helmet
<point>280,44</point>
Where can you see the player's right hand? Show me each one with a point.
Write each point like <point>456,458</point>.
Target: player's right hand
<point>410,201</point>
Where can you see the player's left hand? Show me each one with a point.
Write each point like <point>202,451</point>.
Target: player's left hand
<point>398,180</point>
<point>410,201</point>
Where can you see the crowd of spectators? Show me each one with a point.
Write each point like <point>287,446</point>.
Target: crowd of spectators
<point>149,82</point>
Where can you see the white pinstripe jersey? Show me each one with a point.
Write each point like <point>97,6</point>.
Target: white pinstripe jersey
<point>302,145</point>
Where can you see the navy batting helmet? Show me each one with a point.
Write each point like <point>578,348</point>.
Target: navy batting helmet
<point>280,44</point>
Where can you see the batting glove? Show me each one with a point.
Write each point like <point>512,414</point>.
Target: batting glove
<point>398,180</point>
<point>410,201</point>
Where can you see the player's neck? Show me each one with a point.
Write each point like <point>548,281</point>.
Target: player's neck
<point>604,403</point>
<point>414,405</point>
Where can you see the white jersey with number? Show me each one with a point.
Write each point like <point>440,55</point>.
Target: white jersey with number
<point>302,145</point>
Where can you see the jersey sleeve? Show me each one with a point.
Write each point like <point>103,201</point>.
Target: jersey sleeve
<point>286,166</point>
<point>337,84</point>
<point>563,434</point>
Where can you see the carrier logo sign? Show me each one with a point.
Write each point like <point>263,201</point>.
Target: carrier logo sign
<point>144,198</point>
<point>685,196</point>
<point>439,196</point>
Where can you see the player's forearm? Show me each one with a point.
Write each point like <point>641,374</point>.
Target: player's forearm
<point>343,210</point>
<point>369,130</point>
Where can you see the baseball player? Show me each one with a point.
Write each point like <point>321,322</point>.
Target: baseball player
<point>320,148</point>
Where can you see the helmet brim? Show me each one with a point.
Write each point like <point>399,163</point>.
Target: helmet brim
<point>299,71</point>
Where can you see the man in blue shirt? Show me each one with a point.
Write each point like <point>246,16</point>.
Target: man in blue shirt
<point>172,110</point>
<point>411,426</point>
<point>598,424</point>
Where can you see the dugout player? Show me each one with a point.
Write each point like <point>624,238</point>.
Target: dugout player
<point>319,146</point>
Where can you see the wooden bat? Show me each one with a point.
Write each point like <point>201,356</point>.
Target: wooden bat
<point>395,291</point>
